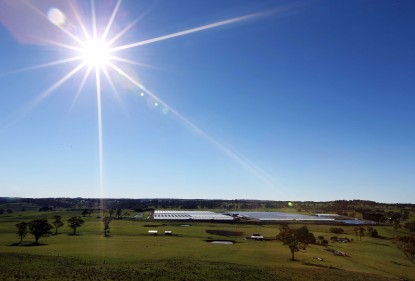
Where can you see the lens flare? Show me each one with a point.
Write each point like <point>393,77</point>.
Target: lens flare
<point>56,17</point>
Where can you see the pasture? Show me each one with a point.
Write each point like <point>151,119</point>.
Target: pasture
<point>132,252</point>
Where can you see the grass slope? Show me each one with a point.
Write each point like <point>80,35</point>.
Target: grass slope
<point>37,267</point>
<point>52,268</point>
<point>131,248</point>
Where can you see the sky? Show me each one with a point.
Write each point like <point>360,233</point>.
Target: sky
<point>273,100</point>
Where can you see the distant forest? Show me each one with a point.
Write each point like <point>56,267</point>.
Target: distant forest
<point>365,209</point>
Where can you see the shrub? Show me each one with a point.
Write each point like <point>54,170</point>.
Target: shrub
<point>372,232</point>
<point>410,226</point>
<point>337,230</point>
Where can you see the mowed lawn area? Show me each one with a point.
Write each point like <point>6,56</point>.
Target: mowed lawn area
<point>131,253</point>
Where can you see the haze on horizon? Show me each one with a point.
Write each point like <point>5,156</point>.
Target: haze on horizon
<point>269,100</point>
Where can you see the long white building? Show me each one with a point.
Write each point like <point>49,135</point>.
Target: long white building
<point>189,215</point>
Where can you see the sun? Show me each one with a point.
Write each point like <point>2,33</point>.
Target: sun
<point>96,54</point>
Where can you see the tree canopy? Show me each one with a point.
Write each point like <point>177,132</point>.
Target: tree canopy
<point>57,223</point>
<point>296,239</point>
<point>21,230</point>
<point>407,245</point>
<point>39,228</point>
<point>74,223</point>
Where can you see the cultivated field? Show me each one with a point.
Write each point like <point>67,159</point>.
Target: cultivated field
<point>130,253</point>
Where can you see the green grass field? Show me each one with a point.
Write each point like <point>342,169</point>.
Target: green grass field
<point>132,254</point>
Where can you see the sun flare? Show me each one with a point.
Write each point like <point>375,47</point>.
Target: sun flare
<point>99,51</point>
<point>96,54</point>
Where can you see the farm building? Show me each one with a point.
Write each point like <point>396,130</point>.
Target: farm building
<point>189,215</point>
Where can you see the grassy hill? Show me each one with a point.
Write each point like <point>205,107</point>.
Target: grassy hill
<point>131,253</point>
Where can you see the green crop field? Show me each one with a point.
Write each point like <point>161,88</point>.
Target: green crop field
<point>131,253</point>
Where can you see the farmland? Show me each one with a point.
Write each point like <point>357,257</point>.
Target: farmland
<point>131,252</point>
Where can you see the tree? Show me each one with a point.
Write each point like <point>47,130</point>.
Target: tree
<point>337,230</point>
<point>295,239</point>
<point>407,246</point>
<point>372,232</point>
<point>356,231</point>
<point>106,221</point>
<point>283,226</point>
<point>75,222</point>
<point>39,228</point>
<point>57,223</point>
<point>305,236</point>
<point>127,214</point>
<point>362,232</point>
<point>396,224</point>
<point>118,213</point>
<point>410,226</point>
<point>21,230</point>
<point>405,215</point>
<point>111,212</point>
<point>1,211</point>
<point>85,212</point>
<point>9,211</point>
<point>395,219</point>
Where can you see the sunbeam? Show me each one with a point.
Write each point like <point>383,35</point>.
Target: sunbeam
<point>60,82</point>
<point>79,20</point>
<point>29,106</point>
<point>186,32</point>
<point>59,44</point>
<point>108,27</point>
<point>45,65</point>
<point>100,147</point>
<point>78,92</point>
<point>229,152</point>
<point>94,21</point>
<point>115,58</point>
<point>127,28</point>
<point>114,89</point>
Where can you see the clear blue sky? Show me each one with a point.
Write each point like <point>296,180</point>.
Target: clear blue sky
<point>307,100</point>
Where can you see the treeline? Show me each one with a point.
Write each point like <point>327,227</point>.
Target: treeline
<point>369,209</point>
<point>46,204</point>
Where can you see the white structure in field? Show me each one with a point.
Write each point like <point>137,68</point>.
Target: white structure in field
<point>189,215</point>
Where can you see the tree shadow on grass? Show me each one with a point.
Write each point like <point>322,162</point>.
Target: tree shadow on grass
<point>401,264</point>
<point>380,244</point>
<point>33,244</point>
